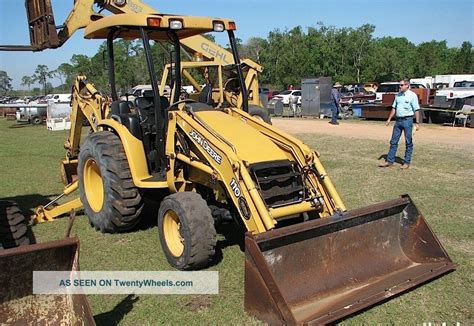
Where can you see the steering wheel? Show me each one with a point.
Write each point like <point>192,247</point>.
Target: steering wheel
<point>183,95</point>
<point>187,100</point>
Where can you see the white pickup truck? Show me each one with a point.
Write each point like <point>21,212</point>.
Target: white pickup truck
<point>461,89</point>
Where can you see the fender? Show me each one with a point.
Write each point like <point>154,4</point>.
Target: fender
<point>133,150</point>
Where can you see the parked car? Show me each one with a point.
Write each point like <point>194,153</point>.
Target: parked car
<point>284,96</point>
<point>370,87</point>
<point>464,83</point>
<point>355,94</point>
<point>461,89</point>
<point>416,85</point>
<point>57,98</point>
<point>269,93</point>
<point>392,88</point>
<point>138,91</point>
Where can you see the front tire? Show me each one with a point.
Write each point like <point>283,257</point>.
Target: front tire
<point>110,198</point>
<point>186,230</point>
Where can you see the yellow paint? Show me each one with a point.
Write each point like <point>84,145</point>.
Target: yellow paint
<point>291,209</point>
<point>192,26</point>
<point>93,185</point>
<point>171,230</point>
<point>135,156</point>
<point>250,144</point>
<point>46,215</point>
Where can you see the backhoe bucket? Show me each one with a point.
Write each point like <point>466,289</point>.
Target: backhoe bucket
<point>18,304</point>
<point>323,270</point>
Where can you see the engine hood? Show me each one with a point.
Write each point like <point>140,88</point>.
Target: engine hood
<point>250,144</point>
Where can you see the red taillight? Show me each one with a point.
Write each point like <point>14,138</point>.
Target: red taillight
<point>232,26</point>
<point>153,21</point>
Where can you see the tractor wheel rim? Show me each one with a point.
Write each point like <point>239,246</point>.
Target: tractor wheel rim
<point>173,238</point>
<point>93,185</point>
<point>258,117</point>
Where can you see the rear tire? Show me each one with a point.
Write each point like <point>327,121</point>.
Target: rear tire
<point>260,113</point>
<point>14,230</point>
<point>110,198</point>
<point>187,232</point>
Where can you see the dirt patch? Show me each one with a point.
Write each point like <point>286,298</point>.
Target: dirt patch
<point>431,134</point>
<point>199,303</point>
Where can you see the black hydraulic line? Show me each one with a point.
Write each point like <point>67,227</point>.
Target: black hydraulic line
<point>111,63</point>
<point>243,89</point>
<point>160,114</point>
<point>177,65</point>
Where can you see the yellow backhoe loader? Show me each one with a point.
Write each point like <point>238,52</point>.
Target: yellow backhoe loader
<point>308,259</point>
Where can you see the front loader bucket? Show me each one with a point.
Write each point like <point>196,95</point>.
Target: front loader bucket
<point>18,304</point>
<point>323,270</point>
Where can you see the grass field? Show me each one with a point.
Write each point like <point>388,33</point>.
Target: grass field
<point>440,182</point>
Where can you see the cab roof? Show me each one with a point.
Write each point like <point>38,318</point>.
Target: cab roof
<point>129,25</point>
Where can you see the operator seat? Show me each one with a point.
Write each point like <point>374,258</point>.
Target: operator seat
<point>121,112</point>
<point>206,95</point>
<point>145,105</point>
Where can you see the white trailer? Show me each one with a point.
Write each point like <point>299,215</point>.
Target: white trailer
<point>426,81</point>
<point>451,79</point>
<point>58,116</point>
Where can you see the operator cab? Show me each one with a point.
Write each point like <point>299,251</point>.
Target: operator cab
<point>146,117</point>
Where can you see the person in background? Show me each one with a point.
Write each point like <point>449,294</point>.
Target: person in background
<point>405,107</point>
<point>335,102</point>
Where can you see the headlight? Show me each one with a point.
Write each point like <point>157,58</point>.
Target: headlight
<point>218,26</point>
<point>176,24</point>
<point>120,3</point>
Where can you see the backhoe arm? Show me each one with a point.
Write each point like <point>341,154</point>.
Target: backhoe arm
<point>86,103</point>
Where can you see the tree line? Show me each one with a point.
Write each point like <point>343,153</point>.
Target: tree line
<point>348,55</point>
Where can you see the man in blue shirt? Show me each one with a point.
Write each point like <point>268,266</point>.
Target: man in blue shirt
<point>335,99</point>
<point>405,106</point>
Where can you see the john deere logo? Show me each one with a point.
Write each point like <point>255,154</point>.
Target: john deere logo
<point>204,143</point>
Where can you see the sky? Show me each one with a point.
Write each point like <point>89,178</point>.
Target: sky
<point>417,20</point>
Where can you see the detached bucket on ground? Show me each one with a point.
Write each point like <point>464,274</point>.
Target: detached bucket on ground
<point>18,304</point>
<point>323,270</point>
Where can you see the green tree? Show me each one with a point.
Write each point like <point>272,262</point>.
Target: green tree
<point>390,59</point>
<point>5,82</point>
<point>48,88</point>
<point>463,62</point>
<point>27,81</point>
<point>432,58</point>
<point>253,48</point>
<point>359,41</point>
<point>65,74</point>
<point>42,74</point>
